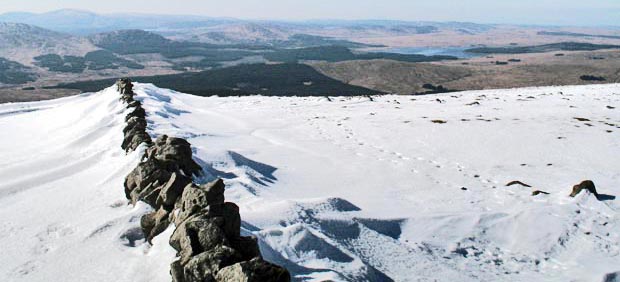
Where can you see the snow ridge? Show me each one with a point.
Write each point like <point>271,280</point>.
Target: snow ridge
<point>207,229</point>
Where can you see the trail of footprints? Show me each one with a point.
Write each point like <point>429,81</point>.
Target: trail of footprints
<point>360,147</point>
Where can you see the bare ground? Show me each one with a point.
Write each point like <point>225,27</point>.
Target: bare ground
<point>542,69</point>
<point>20,95</point>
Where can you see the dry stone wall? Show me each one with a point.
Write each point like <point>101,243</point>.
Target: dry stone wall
<point>207,235</point>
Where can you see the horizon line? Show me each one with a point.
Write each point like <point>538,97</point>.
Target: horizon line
<point>286,20</point>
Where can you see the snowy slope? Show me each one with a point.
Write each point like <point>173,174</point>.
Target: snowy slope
<point>63,212</point>
<point>348,189</point>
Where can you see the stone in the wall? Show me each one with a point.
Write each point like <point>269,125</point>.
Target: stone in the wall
<point>204,266</point>
<point>146,173</point>
<point>247,247</point>
<point>255,270</point>
<point>137,112</point>
<point>173,189</point>
<point>133,139</point>
<point>197,234</point>
<point>154,223</point>
<point>135,124</point>
<point>175,151</point>
<point>124,86</point>
<point>196,198</point>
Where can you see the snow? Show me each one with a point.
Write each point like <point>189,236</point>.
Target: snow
<point>340,188</point>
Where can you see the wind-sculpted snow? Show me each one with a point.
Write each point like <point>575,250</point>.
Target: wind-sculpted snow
<point>364,189</point>
<point>207,232</point>
<point>347,189</point>
<point>63,212</point>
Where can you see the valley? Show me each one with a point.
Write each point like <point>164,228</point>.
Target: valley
<point>379,56</point>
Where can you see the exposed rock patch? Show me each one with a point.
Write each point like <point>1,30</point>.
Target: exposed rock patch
<point>539,192</point>
<point>612,277</point>
<point>584,185</point>
<point>516,182</point>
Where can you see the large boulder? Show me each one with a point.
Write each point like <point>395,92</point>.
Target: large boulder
<point>255,270</point>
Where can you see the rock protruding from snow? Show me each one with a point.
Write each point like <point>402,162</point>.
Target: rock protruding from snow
<point>612,277</point>
<point>207,236</point>
<point>256,270</point>
<point>584,185</point>
<point>135,130</point>
<point>124,86</point>
<point>208,240</point>
<point>146,179</point>
<point>174,152</point>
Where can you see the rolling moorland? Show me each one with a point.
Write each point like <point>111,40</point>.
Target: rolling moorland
<point>78,50</point>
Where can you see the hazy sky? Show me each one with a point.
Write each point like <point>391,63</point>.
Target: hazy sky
<point>561,12</point>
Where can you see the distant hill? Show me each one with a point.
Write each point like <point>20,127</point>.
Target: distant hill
<point>85,22</point>
<point>563,46</point>
<point>95,60</point>
<point>338,54</point>
<point>14,73</point>
<point>270,80</point>
<point>22,42</point>
<point>576,34</point>
<point>234,31</point>
<point>131,41</point>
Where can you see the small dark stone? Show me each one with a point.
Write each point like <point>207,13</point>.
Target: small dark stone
<point>516,182</point>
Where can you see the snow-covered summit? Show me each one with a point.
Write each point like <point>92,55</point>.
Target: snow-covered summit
<point>349,189</point>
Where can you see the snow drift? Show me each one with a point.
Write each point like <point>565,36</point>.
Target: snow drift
<point>347,189</point>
